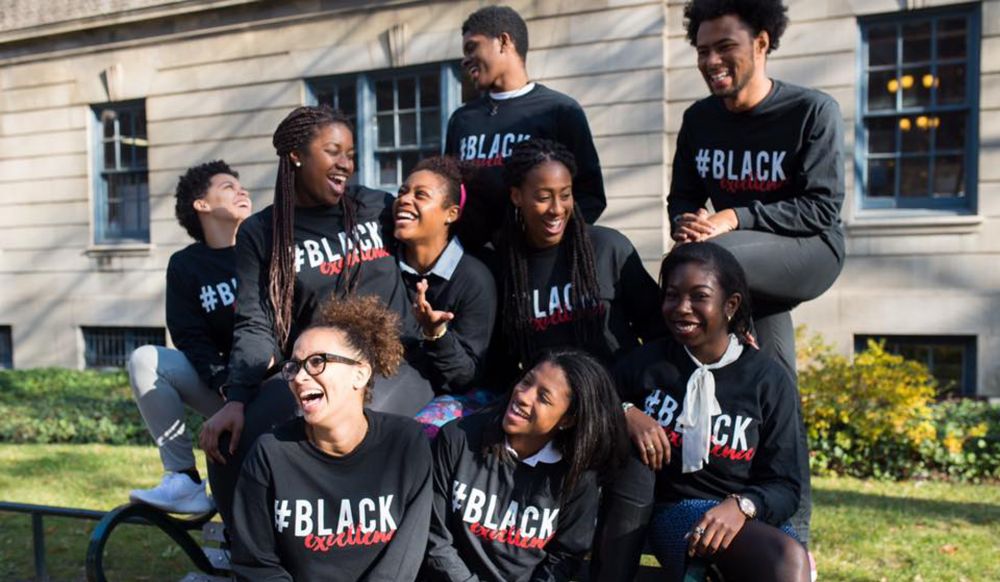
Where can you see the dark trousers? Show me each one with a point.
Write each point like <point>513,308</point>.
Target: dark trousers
<point>626,507</point>
<point>783,272</point>
<point>405,393</point>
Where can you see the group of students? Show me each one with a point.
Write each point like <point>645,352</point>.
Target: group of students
<point>470,380</point>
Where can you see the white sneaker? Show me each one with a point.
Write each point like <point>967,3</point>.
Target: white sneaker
<point>176,493</point>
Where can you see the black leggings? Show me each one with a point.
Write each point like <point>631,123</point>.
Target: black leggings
<point>783,272</point>
<point>405,393</point>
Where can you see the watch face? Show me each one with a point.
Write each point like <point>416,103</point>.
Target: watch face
<point>747,507</point>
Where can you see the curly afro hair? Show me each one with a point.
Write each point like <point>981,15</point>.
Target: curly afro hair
<point>757,15</point>
<point>370,328</point>
<point>454,172</point>
<point>492,21</point>
<point>193,185</point>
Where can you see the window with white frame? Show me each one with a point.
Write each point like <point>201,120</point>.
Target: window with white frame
<point>400,116</point>
<point>918,128</point>
<point>121,173</point>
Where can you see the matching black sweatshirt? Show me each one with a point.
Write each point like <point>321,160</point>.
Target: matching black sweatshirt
<point>779,166</point>
<point>756,446</point>
<point>201,300</point>
<point>323,252</point>
<point>483,131</point>
<point>501,520</point>
<point>301,514</point>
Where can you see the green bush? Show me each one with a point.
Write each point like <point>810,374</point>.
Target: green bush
<point>876,416</point>
<point>53,405</point>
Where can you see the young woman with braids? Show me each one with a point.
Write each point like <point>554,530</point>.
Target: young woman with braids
<point>341,493</point>
<point>569,284</point>
<point>719,422</point>
<point>321,238</point>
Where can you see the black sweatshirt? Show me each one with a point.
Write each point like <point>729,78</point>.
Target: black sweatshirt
<point>300,514</point>
<point>629,305</point>
<point>501,520</point>
<point>321,244</point>
<point>756,447</point>
<point>461,284</point>
<point>483,131</point>
<point>201,299</point>
<point>779,166</point>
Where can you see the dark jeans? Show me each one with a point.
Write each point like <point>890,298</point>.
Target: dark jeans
<point>405,393</point>
<point>783,272</point>
<point>626,506</point>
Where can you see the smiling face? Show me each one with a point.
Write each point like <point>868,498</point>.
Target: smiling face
<point>729,56</point>
<point>225,200</point>
<point>327,163</point>
<point>485,59</point>
<point>697,310</point>
<point>423,210</point>
<point>538,404</point>
<point>338,389</point>
<point>545,199</point>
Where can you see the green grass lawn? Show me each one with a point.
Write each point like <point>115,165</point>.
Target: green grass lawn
<point>862,530</point>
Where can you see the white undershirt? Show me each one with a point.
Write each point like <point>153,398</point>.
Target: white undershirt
<point>511,94</point>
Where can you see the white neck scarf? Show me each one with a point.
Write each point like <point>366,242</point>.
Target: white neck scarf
<point>700,406</point>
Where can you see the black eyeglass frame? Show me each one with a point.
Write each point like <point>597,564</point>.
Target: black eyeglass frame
<point>290,375</point>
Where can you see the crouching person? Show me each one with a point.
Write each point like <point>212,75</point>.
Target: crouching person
<point>342,492</point>
<point>515,489</point>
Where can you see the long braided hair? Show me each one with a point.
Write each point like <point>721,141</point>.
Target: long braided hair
<point>585,293</point>
<point>294,134</point>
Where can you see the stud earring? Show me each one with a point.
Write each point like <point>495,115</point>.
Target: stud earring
<point>298,164</point>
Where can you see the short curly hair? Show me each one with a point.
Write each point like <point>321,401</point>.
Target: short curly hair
<point>492,21</point>
<point>370,328</point>
<point>453,171</point>
<point>193,185</point>
<point>758,15</point>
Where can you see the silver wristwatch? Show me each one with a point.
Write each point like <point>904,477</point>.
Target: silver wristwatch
<point>747,506</point>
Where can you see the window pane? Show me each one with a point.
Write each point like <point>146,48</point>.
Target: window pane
<point>882,88</point>
<point>128,154</point>
<point>951,39</point>
<point>386,168</point>
<point>881,135</point>
<point>108,118</point>
<point>140,124</point>
<point>430,125</point>
<point>916,134</point>
<point>409,160</point>
<point>141,157</point>
<point>110,162</point>
<point>914,177</point>
<point>881,178</point>
<point>951,85</point>
<point>882,45</point>
<point>386,131</point>
<point>347,99</point>
<point>916,85</point>
<point>407,89</point>
<point>407,129</point>
<point>429,89</point>
<point>383,95</point>
<point>950,131</point>
<point>916,42</point>
<point>949,177</point>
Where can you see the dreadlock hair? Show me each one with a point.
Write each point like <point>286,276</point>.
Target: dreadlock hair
<point>757,15</point>
<point>492,21</point>
<point>517,310</point>
<point>452,171</point>
<point>294,134</point>
<point>596,440</point>
<point>370,328</point>
<point>193,185</point>
<point>727,271</point>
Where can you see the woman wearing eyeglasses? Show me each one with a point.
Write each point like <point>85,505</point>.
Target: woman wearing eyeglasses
<point>342,492</point>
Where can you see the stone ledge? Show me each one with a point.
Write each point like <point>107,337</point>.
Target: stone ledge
<point>916,222</point>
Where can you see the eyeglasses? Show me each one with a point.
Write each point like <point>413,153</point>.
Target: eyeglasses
<point>314,364</point>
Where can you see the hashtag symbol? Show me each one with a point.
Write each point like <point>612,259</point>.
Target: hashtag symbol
<point>281,514</point>
<point>458,495</point>
<point>701,161</point>
<point>208,300</point>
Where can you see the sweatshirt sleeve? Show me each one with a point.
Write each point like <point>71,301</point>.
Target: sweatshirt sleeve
<point>254,550</point>
<point>588,186</point>
<point>443,561</point>
<point>641,297</point>
<point>821,176</point>
<point>254,341</point>
<point>574,534</point>
<point>459,354</point>
<point>687,191</point>
<point>776,472</point>
<point>190,330</point>
<point>402,559</point>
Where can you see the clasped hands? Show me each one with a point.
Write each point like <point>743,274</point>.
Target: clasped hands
<point>700,226</point>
